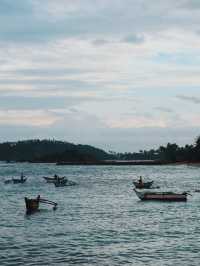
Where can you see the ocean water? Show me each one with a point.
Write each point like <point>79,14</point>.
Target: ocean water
<point>100,221</point>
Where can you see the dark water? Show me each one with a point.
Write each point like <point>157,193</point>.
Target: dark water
<point>100,221</point>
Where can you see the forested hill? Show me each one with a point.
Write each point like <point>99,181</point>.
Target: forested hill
<point>64,152</point>
<point>50,151</point>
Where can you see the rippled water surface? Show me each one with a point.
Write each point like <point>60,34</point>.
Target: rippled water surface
<point>100,221</point>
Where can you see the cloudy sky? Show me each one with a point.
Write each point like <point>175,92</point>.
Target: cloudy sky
<point>121,75</point>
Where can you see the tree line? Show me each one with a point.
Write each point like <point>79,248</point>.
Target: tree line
<point>171,153</point>
<point>60,151</point>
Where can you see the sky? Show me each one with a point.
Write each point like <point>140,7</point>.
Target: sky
<point>121,75</point>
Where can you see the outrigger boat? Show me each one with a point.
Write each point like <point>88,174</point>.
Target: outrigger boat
<point>145,185</point>
<point>32,205</point>
<point>161,196</point>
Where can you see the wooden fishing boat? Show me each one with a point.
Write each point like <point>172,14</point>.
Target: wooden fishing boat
<point>64,182</point>
<point>19,181</point>
<point>143,185</point>
<point>15,181</point>
<point>32,205</point>
<point>161,196</point>
<point>60,183</point>
<point>52,179</point>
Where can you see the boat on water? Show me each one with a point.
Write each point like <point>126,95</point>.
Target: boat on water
<point>143,185</point>
<point>64,182</point>
<point>53,179</point>
<point>32,205</point>
<point>161,196</point>
<point>20,180</point>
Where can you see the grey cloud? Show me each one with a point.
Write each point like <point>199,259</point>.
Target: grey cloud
<point>9,7</point>
<point>192,99</point>
<point>73,110</point>
<point>135,39</point>
<point>164,109</point>
<point>190,4</point>
<point>59,83</point>
<point>30,103</point>
<point>139,114</point>
<point>132,39</point>
<point>100,42</point>
<point>24,21</point>
<point>41,72</point>
<point>52,102</point>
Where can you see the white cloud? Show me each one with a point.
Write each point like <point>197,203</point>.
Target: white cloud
<point>38,118</point>
<point>134,122</point>
<point>105,58</point>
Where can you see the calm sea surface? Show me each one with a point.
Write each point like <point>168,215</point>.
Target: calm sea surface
<point>100,221</point>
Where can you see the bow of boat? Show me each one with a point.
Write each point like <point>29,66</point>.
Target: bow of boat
<point>139,194</point>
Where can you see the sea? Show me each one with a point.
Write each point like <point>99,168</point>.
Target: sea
<point>100,221</point>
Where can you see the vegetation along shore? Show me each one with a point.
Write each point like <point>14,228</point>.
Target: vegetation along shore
<point>62,153</point>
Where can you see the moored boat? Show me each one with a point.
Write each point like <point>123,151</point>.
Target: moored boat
<point>161,196</point>
<point>64,182</point>
<point>20,180</point>
<point>143,185</point>
<point>60,183</point>
<point>32,205</point>
<point>52,179</point>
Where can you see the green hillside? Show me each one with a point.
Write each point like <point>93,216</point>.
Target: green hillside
<point>49,151</point>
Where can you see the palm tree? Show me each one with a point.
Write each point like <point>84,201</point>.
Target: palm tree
<point>197,149</point>
<point>197,143</point>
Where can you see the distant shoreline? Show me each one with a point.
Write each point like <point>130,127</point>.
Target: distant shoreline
<point>114,162</point>
<point>121,163</point>
<point>65,153</point>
